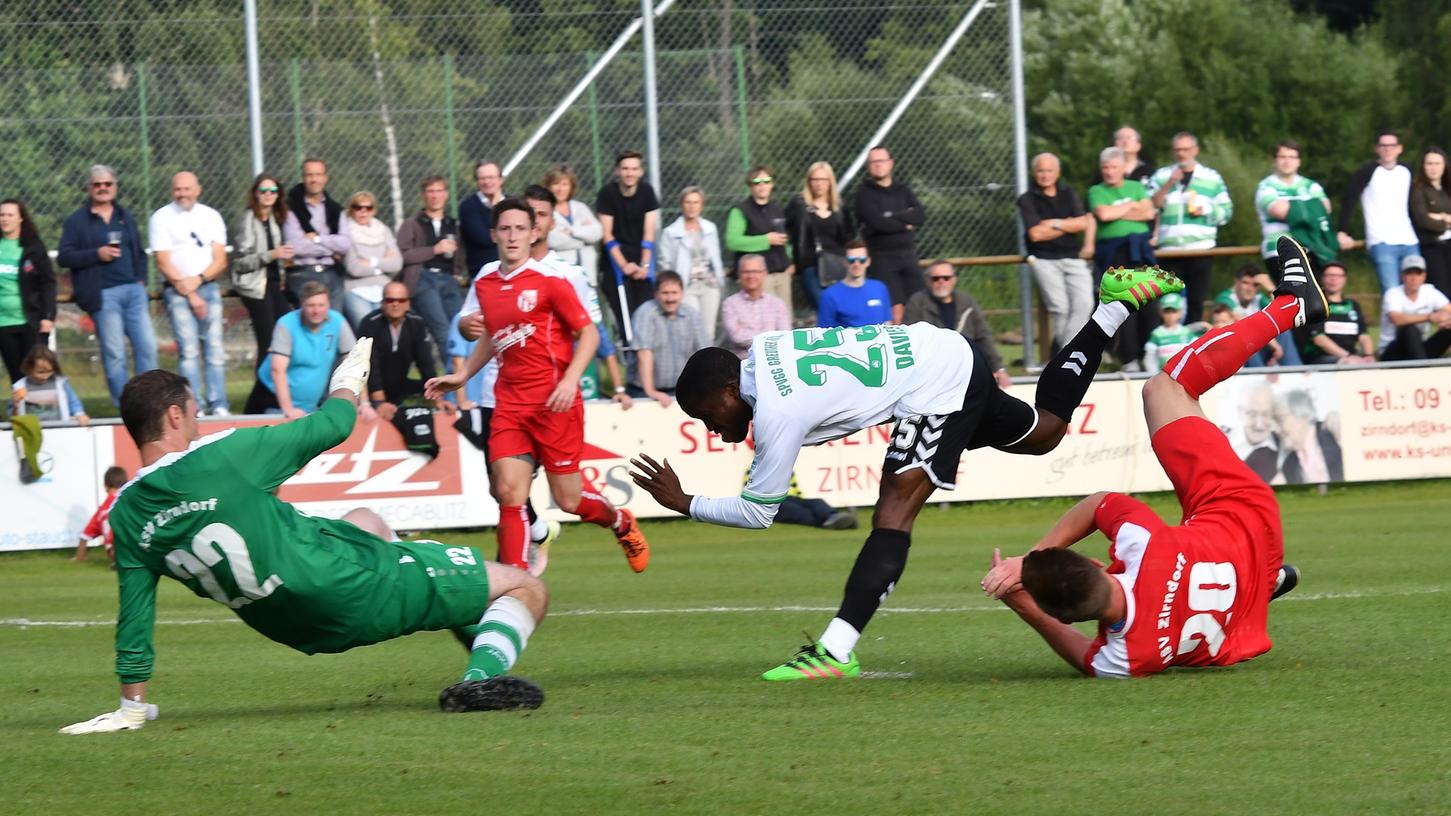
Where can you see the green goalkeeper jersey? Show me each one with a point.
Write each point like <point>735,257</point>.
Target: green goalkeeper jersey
<point>208,518</point>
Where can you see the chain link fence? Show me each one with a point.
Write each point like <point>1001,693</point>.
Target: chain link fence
<point>391,92</point>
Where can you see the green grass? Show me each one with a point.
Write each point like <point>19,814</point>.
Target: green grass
<point>660,711</point>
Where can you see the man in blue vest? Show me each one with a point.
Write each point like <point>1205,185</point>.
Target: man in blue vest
<point>306,343</point>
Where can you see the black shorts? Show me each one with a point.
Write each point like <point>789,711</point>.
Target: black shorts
<point>899,270</point>
<point>989,417</point>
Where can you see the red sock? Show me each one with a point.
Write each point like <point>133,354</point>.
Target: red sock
<point>1216,356</point>
<point>514,536</point>
<point>595,508</point>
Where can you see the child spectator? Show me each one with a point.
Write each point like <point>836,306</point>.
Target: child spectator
<point>100,524</point>
<point>43,392</point>
<point>1166,340</point>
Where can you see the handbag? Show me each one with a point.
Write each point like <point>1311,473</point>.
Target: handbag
<point>830,267</point>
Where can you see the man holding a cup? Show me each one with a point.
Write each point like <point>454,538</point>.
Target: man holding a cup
<point>1193,203</point>
<point>100,244</point>
<point>757,226</point>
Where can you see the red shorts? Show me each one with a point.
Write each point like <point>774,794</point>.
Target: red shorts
<point>1217,489</point>
<point>554,438</point>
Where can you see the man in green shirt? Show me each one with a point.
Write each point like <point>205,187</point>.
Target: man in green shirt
<point>202,511</point>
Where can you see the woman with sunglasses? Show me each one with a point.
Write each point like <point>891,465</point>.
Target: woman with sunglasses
<point>27,287</point>
<point>258,258</point>
<point>372,261</point>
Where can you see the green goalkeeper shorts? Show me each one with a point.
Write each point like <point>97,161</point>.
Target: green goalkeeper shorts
<point>440,586</point>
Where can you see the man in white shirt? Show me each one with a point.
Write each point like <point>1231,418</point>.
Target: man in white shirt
<point>1383,189</point>
<point>189,242</point>
<point>1408,313</point>
<point>810,386</point>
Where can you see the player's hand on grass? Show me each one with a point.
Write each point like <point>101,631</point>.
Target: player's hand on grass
<point>661,482</point>
<point>352,373</point>
<point>131,716</point>
<point>1005,577</point>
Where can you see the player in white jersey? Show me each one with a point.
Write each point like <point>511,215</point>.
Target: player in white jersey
<point>813,385</point>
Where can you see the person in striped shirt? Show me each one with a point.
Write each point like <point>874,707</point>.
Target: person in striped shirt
<point>1284,200</point>
<point>1193,203</point>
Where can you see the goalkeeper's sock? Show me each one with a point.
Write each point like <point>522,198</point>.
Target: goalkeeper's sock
<point>513,536</point>
<point>501,635</point>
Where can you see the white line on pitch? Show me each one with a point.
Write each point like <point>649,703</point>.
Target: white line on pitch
<point>735,610</point>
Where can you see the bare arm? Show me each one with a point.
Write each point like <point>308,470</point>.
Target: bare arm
<point>280,386</point>
<point>1069,643</point>
<point>218,266</point>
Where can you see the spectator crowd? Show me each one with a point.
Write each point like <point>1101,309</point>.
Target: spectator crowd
<point>316,270</point>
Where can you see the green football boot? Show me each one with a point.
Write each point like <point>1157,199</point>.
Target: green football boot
<point>813,662</point>
<point>1133,286</point>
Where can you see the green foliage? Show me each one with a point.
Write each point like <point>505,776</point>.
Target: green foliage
<point>1242,76</point>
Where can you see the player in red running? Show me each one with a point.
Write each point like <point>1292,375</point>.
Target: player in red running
<point>532,319</point>
<point>1193,595</point>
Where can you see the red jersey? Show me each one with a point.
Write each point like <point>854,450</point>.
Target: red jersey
<point>1197,595</point>
<point>100,523</point>
<point>532,316</point>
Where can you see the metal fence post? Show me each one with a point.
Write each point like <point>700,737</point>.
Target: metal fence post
<point>449,126</point>
<point>254,87</point>
<point>294,81</point>
<point>1020,163</point>
<point>740,55</point>
<point>652,100</point>
<point>145,135</point>
<point>594,126</point>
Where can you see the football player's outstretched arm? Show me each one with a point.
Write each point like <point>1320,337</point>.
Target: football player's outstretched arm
<point>134,656</point>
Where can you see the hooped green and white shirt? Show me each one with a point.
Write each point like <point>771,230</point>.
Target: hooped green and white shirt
<point>1271,189</point>
<point>811,386</point>
<point>1192,214</point>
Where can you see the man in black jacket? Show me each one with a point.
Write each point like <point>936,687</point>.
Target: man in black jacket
<point>100,244</point>
<point>890,215</point>
<point>400,342</point>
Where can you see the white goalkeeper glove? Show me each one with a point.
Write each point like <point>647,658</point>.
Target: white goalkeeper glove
<point>352,372</point>
<point>131,716</point>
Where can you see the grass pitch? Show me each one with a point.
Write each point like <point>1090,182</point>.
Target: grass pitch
<point>653,706</point>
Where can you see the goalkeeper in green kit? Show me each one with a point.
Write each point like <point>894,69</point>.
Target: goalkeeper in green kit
<point>202,511</point>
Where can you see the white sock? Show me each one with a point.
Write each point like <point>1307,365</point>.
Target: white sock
<point>1109,316</point>
<point>507,625</point>
<point>538,529</point>
<point>839,639</point>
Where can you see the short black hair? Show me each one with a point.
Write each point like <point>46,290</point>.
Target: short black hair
<point>668,277</point>
<point>1248,270</point>
<point>628,154</point>
<point>1066,585</point>
<point>114,478</point>
<point>538,192</point>
<point>707,372</point>
<point>513,203</point>
<point>145,400</point>
<point>1286,144</point>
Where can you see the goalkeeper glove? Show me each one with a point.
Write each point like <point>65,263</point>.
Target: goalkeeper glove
<point>131,716</point>
<point>352,372</point>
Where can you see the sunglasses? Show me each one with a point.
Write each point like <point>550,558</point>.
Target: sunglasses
<point>856,259</point>
<point>762,180</point>
<point>103,184</point>
<point>266,189</point>
<point>198,240</point>
<point>936,278</point>
<point>363,208</point>
<point>395,300</point>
